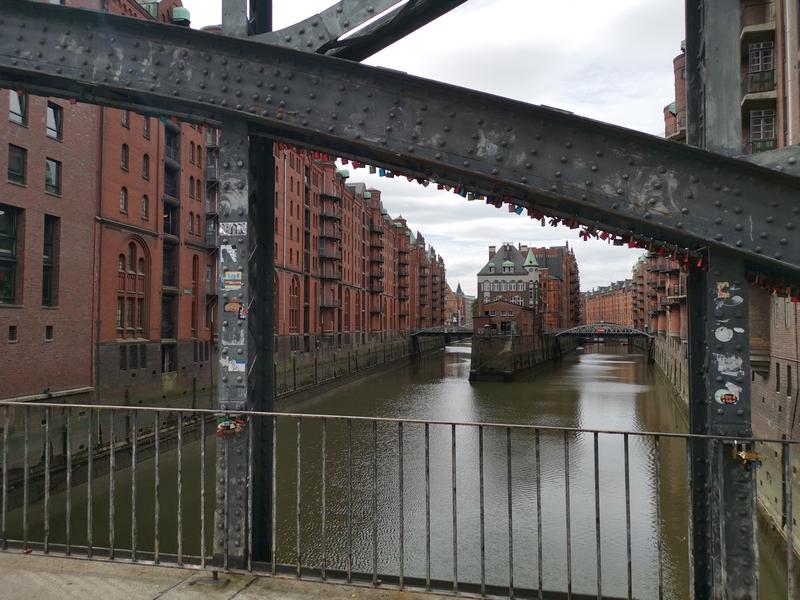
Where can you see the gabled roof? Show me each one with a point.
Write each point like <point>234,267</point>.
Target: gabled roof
<point>507,255</point>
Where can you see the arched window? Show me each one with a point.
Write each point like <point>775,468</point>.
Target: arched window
<point>191,187</point>
<point>191,222</point>
<point>121,263</point>
<point>276,303</point>
<point>191,153</point>
<point>198,194</point>
<point>123,200</point>
<point>199,155</point>
<point>347,310</point>
<point>197,229</point>
<point>145,208</point>
<point>125,157</point>
<point>146,166</point>
<point>132,292</point>
<point>195,292</point>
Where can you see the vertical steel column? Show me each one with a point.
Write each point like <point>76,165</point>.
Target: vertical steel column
<point>723,549</point>
<point>723,486</point>
<point>245,316</point>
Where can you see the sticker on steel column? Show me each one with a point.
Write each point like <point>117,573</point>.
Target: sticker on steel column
<point>729,364</point>
<point>723,290</point>
<point>232,280</point>
<point>236,365</point>
<point>231,252</point>
<point>239,228</point>
<point>725,334</point>
<point>728,395</point>
<point>232,307</point>
<point>724,296</point>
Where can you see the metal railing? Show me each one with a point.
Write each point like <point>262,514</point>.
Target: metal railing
<point>464,507</point>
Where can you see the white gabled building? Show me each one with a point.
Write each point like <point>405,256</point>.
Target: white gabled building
<point>511,274</point>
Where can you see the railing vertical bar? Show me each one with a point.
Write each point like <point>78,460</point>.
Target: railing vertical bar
<point>203,491</point>
<point>401,490</point>
<point>26,472</point>
<point>788,512</point>
<point>539,554</point>
<point>156,485</point>
<point>68,493</point>
<point>628,516</point>
<point>427,507</point>
<point>89,482</point>
<point>274,503</point>
<point>659,537</point>
<point>112,470</point>
<point>510,516</point>
<point>598,544</point>
<point>567,515</point>
<point>47,480</point>
<point>324,499</point>
<point>134,458</point>
<point>226,517</point>
<point>349,500</point>
<point>482,510</point>
<point>250,482</point>
<point>298,493</point>
<point>374,503</point>
<point>455,507</point>
<point>6,425</point>
<point>180,489</point>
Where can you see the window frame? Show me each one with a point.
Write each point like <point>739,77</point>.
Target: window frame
<point>24,106</point>
<point>123,200</point>
<point>125,157</point>
<point>17,178</point>
<point>146,166</point>
<point>58,118</point>
<point>9,260</point>
<point>50,188</point>
<point>50,254</point>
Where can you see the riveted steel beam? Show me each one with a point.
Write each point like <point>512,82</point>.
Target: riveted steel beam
<point>605,175</point>
<point>321,29</point>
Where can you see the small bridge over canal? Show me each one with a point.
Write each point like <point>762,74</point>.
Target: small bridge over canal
<point>601,331</point>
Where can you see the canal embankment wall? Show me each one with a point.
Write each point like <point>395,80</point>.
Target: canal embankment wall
<point>500,357</point>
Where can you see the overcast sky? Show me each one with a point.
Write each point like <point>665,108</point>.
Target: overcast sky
<point>610,61</point>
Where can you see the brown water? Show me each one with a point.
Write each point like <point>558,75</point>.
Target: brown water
<point>602,388</point>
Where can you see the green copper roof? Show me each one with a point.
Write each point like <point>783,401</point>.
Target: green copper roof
<point>530,261</point>
<point>508,263</point>
<point>344,173</point>
<point>367,195</point>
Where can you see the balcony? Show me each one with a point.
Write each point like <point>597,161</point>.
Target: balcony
<point>376,287</point>
<point>211,206</point>
<point>375,228</point>
<point>330,275</point>
<point>330,253</point>
<point>172,156</point>
<point>756,146</point>
<point>211,288</point>
<point>330,233</point>
<point>759,82</point>
<point>403,296</point>
<point>377,244</point>
<point>335,195</point>
<point>212,240</point>
<point>169,277</point>
<point>212,137</point>
<point>403,271</point>
<point>758,18</point>
<point>330,303</point>
<point>331,214</point>
<point>377,258</point>
<point>211,172</point>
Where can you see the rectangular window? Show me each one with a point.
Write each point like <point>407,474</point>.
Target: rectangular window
<point>12,333</point>
<point>9,227</point>
<point>120,312</point>
<point>129,313</point>
<point>761,57</point>
<point>17,164</point>
<point>50,261</point>
<point>762,125</point>
<point>123,358</point>
<point>126,119</point>
<point>48,333</point>
<point>52,176</point>
<point>140,313</point>
<point>18,107</point>
<point>55,121</point>
<point>777,377</point>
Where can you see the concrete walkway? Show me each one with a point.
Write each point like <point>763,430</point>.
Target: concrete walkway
<point>24,577</point>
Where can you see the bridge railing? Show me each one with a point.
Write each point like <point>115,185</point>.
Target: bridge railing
<point>464,507</point>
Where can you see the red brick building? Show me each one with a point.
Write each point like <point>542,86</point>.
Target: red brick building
<point>610,304</point>
<point>560,287</point>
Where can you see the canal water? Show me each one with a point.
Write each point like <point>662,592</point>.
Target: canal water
<point>604,387</point>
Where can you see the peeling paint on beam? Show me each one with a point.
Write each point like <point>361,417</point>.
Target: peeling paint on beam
<point>606,175</point>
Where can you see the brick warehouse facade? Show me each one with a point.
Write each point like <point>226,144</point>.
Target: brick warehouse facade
<point>560,287</point>
<point>108,228</point>
<point>610,304</point>
<point>770,86</point>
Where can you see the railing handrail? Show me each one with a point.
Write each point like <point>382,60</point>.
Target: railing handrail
<point>396,420</point>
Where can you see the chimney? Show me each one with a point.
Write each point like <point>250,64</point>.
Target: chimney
<point>492,251</point>
<point>523,248</point>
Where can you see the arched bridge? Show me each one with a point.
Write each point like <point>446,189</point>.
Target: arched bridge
<point>603,330</point>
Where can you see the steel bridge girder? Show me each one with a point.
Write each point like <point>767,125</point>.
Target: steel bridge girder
<point>599,174</point>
